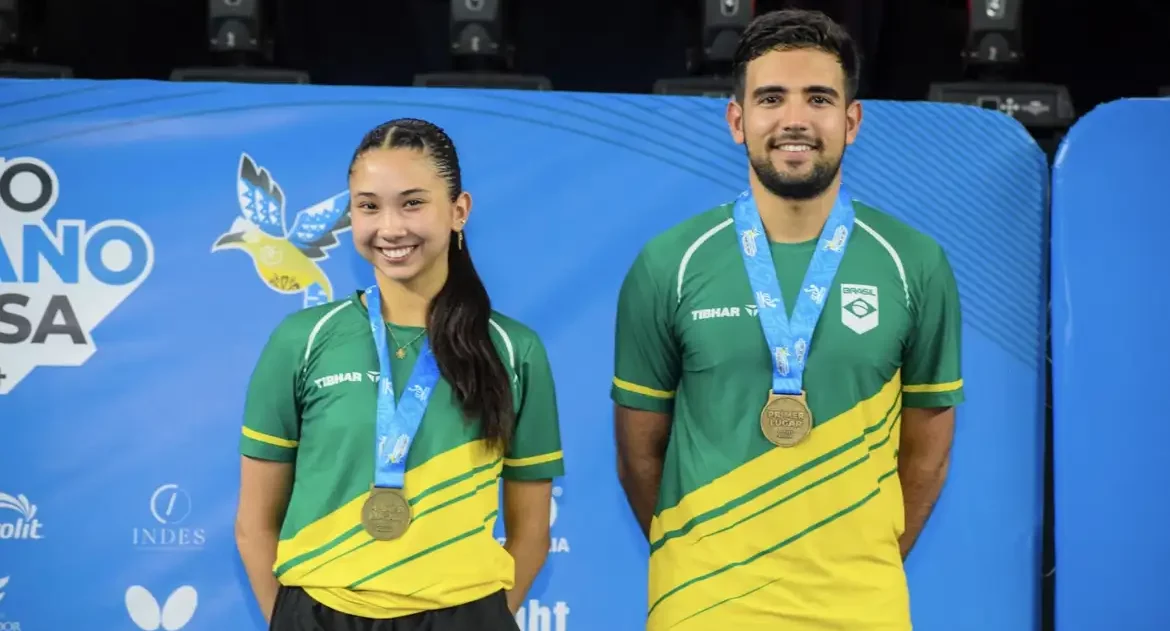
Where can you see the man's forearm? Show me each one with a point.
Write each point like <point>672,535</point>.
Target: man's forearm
<point>640,480</point>
<point>529,555</point>
<point>258,552</point>
<point>642,438</point>
<point>922,483</point>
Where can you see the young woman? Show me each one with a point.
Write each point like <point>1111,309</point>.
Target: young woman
<point>377,427</point>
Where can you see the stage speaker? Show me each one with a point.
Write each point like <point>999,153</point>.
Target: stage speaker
<point>722,24</point>
<point>481,54</point>
<point>477,29</point>
<point>237,39</point>
<point>234,26</point>
<point>994,34</point>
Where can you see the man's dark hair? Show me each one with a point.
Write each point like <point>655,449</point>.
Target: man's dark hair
<point>458,319</point>
<point>793,29</point>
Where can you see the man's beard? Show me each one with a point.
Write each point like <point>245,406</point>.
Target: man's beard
<point>799,188</point>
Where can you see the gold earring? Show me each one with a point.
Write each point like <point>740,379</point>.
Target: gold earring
<point>460,239</point>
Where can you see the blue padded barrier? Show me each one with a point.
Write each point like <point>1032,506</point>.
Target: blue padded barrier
<point>119,434</point>
<point>1109,348</point>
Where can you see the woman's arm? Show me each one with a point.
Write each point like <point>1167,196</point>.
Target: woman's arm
<point>264,491</point>
<point>526,516</point>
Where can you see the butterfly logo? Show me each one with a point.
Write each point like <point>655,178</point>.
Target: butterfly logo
<point>172,616</point>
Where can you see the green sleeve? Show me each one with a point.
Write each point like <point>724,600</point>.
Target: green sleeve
<point>646,354</point>
<point>271,413</point>
<point>535,450</point>
<point>932,373</point>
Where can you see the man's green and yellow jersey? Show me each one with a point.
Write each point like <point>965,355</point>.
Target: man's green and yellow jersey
<point>747,535</point>
<point>312,401</point>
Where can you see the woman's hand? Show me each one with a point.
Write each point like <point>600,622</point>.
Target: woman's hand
<point>264,491</point>
<point>526,526</point>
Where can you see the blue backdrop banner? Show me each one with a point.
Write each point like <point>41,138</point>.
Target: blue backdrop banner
<point>1109,217</point>
<point>126,342</point>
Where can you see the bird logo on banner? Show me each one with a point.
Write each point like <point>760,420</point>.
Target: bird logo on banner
<point>286,258</point>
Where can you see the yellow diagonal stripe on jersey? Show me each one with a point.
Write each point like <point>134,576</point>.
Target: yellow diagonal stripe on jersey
<point>880,433</point>
<point>446,552</point>
<point>777,496</point>
<point>428,486</point>
<point>440,517</point>
<point>381,597</point>
<point>786,479</point>
<point>777,471</point>
<point>319,537</point>
<point>789,550</point>
<point>885,438</point>
<point>779,521</point>
<point>356,539</point>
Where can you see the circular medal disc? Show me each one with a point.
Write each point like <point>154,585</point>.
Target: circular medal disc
<point>386,514</point>
<point>786,420</point>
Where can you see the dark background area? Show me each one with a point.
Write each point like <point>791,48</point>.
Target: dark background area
<point>1101,51</point>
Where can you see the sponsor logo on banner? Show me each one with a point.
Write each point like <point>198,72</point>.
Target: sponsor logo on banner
<point>286,254</point>
<point>535,616</point>
<point>174,614</point>
<point>18,518</point>
<point>59,278</point>
<point>5,623</point>
<point>170,528</point>
<point>556,544</point>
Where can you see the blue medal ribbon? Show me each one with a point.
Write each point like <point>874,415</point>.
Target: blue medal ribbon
<point>397,423</point>
<point>789,341</point>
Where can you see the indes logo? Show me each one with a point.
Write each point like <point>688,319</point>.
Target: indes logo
<point>286,257</point>
<point>145,611</point>
<point>170,528</point>
<point>21,525</point>
<point>59,278</point>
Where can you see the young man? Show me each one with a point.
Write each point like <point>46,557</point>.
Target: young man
<point>786,370</point>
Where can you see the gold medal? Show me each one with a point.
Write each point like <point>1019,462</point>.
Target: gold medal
<point>386,513</point>
<point>786,419</point>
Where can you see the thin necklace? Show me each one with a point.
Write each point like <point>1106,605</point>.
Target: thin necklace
<point>401,352</point>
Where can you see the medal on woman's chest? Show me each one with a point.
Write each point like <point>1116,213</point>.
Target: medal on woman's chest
<point>386,513</point>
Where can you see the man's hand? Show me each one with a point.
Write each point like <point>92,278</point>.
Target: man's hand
<point>641,448</point>
<point>924,456</point>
